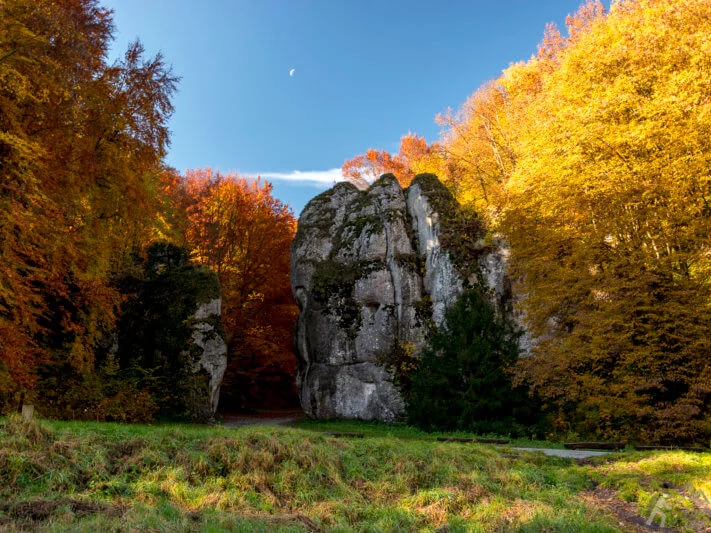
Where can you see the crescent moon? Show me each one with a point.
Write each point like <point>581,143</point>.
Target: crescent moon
<point>291,72</point>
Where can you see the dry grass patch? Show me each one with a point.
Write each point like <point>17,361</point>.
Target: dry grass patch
<point>188,478</point>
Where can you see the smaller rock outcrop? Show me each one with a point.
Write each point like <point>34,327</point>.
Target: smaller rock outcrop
<point>170,329</point>
<point>207,336</point>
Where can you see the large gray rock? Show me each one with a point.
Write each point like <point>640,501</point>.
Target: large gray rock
<point>207,337</point>
<point>441,281</point>
<point>371,275</point>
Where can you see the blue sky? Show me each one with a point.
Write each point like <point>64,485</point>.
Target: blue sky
<point>366,73</point>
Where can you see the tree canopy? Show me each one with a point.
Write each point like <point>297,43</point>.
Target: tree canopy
<point>414,157</point>
<point>234,226</point>
<point>81,141</point>
<point>593,160</point>
<point>84,192</point>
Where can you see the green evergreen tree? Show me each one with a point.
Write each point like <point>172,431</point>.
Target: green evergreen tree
<point>155,328</point>
<point>462,380</point>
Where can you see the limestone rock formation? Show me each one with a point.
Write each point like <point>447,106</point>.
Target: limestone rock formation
<point>371,271</point>
<point>207,337</point>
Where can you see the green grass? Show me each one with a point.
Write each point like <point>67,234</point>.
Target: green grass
<point>402,431</point>
<point>70,476</point>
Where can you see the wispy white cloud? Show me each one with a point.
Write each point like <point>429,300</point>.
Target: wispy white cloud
<point>307,177</point>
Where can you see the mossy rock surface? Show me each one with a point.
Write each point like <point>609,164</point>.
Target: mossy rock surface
<point>360,277</point>
<point>461,229</point>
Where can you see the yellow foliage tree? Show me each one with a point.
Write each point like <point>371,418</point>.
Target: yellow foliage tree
<point>609,213</point>
<point>593,159</point>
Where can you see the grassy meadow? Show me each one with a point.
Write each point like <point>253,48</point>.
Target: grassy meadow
<point>82,476</point>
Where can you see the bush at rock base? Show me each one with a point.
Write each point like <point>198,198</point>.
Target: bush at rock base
<point>462,380</point>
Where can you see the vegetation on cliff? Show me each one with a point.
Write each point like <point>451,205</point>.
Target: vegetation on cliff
<point>461,228</point>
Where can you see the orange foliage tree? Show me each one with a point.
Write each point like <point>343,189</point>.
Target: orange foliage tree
<point>80,144</point>
<point>412,158</point>
<point>234,226</point>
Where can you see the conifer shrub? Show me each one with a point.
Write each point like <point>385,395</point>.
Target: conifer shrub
<point>155,343</point>
<point>462,380</point>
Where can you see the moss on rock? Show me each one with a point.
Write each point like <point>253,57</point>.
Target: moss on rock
<point>460,229</point>
<point>333,286</point>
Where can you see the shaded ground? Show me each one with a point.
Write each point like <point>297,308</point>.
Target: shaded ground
<point>267,418</point>
<point>285,417</point>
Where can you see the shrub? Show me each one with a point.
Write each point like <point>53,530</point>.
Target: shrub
<point>155,345</point>
<point>462,381</point>
<point>146,367</point>
<point>106,394</point>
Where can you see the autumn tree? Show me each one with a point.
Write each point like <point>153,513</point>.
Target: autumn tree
<point>610,210</point>
<point>80,145</point>
<point>238,229</point>
<point>414,157</point>
<point>481,141</point>
<point>478,145</point>
<point>591,160</point>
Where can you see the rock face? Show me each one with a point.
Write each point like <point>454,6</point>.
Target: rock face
<point>370,272</point>
<point>208,338</point>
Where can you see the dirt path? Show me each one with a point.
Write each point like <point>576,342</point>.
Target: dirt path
<point>570,454</point>
<point>276,418</point>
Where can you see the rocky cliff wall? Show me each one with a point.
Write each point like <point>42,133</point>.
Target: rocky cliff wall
<point>207,337</point>
<point>372,270</point>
